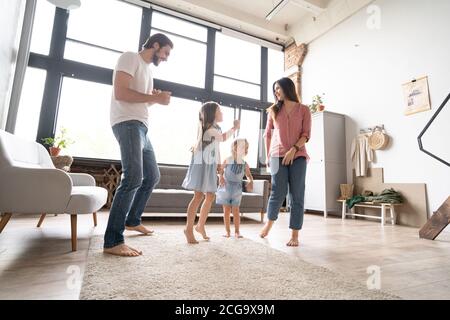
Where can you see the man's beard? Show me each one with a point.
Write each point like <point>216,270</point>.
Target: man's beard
<point>155,58</point>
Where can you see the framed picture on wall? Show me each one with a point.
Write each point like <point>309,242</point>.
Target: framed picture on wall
<point>417,96</point>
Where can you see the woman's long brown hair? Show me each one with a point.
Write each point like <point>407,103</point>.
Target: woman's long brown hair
<point>289,91</point>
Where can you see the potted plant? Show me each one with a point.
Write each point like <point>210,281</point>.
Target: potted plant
<point>317,104</point>
<point>57,143</point>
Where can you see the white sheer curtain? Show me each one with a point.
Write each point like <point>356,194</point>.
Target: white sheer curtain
<point>20,52</point>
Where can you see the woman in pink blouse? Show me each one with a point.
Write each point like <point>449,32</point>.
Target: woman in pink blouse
<point>288,130</point>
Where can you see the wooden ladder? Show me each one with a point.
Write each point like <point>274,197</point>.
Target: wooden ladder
<point>437,223</point>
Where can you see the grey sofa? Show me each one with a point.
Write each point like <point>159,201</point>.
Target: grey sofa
<point>170,197</point>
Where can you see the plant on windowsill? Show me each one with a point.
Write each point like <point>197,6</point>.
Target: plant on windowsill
<point>59,142</point>
<point>317,104</point>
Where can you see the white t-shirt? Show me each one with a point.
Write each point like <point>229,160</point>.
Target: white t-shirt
<point>133,64</point>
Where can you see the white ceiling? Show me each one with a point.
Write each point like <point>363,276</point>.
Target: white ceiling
<point>290,13</point>
<point>249,16</point>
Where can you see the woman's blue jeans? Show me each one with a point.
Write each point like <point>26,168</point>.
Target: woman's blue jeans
<point>288,179</point>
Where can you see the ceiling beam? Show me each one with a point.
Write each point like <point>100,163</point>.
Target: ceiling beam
<point>314,6</point>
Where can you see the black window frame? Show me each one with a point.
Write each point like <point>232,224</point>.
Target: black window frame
<point>57,68</point>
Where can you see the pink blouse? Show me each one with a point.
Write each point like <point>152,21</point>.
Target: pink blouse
<point>287,129</point>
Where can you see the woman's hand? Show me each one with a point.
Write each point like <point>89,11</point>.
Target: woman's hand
<point>289,157</point>
<point>237,124</point>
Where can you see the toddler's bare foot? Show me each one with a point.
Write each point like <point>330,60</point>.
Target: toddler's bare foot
<point>190,237</point>
<point>202,231</point>
<point>140,228</point>
<point>123,250</point>
<point>227,235</point>
<point>238,235</point>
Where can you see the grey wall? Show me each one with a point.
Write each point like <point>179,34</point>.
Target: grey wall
<point>11,18</point>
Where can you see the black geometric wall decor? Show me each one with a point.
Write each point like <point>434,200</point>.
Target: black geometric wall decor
<point>446,139</point>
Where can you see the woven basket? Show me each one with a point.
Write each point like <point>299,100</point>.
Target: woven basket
<point>346,191</point>
<point>378,140</point>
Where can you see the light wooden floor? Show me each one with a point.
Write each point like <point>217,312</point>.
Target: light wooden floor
<point>34,262</point>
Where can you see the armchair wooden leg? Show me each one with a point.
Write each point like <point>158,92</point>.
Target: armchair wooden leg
<point>4,221</point>
<point>41,219</point>
<point>95,218</point>
<point>73,229</point>
<point>262,216</point>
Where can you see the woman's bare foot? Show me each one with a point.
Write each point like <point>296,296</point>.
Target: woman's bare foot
<point>265,231</point>
<point>140,228</point>
<point>202,231</point>
<point>123,250</point>
<point>190,237</point>
<point>293,242</point>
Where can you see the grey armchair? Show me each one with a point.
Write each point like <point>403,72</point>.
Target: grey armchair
<point>30,184</point>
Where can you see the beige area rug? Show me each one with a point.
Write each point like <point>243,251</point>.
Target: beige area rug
<point>224,269</point>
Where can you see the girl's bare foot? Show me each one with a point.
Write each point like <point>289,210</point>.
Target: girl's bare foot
<point>140,228</point>
<point>190,237</point>
<point>293,242</point>
<point>238,235</point>
<point>265,231</point>
<point>123,250</point>
<point>202,231</point>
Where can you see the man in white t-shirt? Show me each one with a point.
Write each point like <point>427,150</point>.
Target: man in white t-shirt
<point>133,93</point>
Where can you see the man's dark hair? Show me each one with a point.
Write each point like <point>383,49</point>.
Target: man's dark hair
<point>159,38</point>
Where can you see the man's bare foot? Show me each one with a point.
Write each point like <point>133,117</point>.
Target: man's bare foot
<point>122,250</point>
<point>238,235</point>
<point>202,231</point>
<point>190,237</point>
<point>265,231</point>
<point>140,228</point>
<point>138,251</point>
<point>293,242</point>
<point>227,235</point>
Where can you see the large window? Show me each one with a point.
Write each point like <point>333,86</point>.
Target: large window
<point>187,61</point>
<point>275,70</point>
<point>100,30</point>
<point>30,103</point>
<point>173,130</point>
<point>237,67</point>
<point>84,112</point>
<point>76,94</point>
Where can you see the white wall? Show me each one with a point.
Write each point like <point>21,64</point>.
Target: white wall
<point>11,15</point>
<point>364,83</point>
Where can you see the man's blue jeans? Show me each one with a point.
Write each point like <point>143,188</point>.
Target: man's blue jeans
<point>140,174</point>
<point>286,178</point>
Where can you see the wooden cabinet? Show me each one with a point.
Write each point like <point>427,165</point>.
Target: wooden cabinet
<point>327,167</point>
